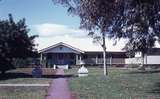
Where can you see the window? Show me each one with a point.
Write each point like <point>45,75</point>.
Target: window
<point>49,56</point>
<point>85,56</point>
<point>99,56</point>
<point>60,56</point>
<point>71,56</point>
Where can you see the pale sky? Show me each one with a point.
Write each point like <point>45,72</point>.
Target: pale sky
<point>52,23</point>
<point>54,33</point>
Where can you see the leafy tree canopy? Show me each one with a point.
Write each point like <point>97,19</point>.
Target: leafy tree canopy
<point>141,25</point>
<point>132,19</point>
<point>118,18</point>
<point>136,20</point>
<point>94,14</point>
<point>14,42</point>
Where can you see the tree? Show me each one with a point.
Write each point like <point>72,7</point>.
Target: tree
<point>101,41</point>
<point>141,25</point>
<point>96,16</point>
<point>141,44</point>
<point>118,19</point>
<point>14,42</point>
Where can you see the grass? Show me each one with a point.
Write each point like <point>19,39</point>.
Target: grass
<point>23,76</point>
<point>119,84</point>
<point>23,92</point>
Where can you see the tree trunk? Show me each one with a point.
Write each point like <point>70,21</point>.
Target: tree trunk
<point>104,63</point>
<point>104,55</point>
<point>142,60</point>
<point>142,67</point>
<point>146,59</point>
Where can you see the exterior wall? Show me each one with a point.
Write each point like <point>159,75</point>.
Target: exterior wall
<point>136,60</point>
<point>148,60</point>
<point>118,61</point>
<point>138,54</point>
<point>97,58</point>
<point>153,59</point>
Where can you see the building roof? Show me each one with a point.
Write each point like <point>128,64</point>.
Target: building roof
<point>76,49</point>
<point>58,44</point>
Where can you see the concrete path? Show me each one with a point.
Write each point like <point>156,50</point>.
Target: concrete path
<point>59,88</point>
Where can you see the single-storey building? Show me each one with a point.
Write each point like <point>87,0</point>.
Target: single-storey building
<point>62,54</point>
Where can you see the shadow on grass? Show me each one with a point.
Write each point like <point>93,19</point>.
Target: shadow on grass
<point>14,75</point>
<point>155,89</point>
<point>59,76</point>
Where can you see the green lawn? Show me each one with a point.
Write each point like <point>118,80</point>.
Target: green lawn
<point>23,92</point>
<point>23,76</point>
<point>120,84</point>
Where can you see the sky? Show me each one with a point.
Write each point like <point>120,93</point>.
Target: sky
<point>53,24</point>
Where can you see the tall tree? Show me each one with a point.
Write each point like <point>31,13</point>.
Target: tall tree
<point>96,16</point>
<point>118,19</point>
<point>140,44</point>
<point>14,42</point>
<point>141,25</point>
<point>100,39</point>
